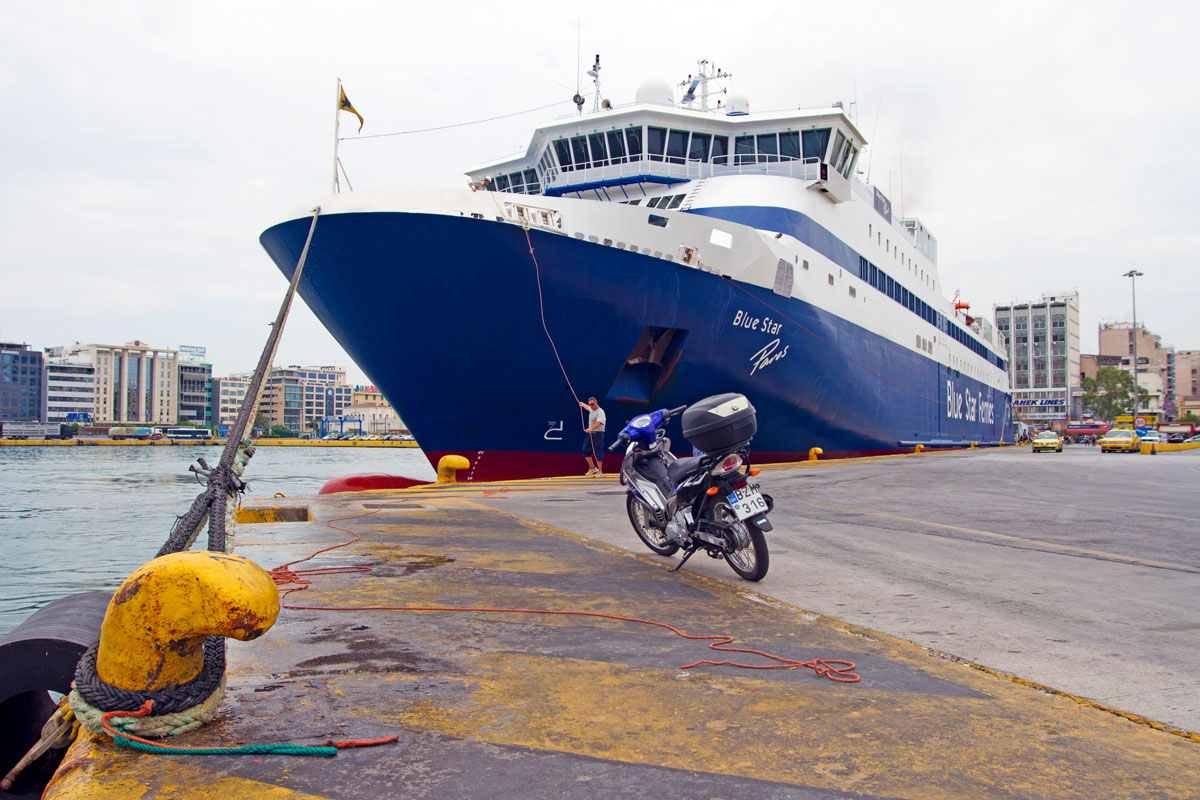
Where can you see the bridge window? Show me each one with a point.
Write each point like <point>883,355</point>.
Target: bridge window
<point>656,142</point>
<point>616,147</point>
<point>579,152</point>
<point>599,151</point>
<point>677,142</point>
<point>838,144</point>
<point>768,147</point>
<point>789,146</point>
<point>743,148</point>
<point>701,144</point>
<point>633,138</point>
<point>815,143</point>
<point>720,149</point>
<point>562,149</point>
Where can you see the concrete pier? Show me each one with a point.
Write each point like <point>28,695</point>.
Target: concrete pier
<point>490,701</point>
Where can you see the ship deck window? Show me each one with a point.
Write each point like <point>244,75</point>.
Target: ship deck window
<point>789,146</point>
<point>743,149</point>
<point>815,143</point>
<point>633,138</point>
<point>599,151</point>
<point>655,219</point>
<point>656,142</point>
<point>768,147</point>
<point>616,147</point>
<point>675,201</point>
<point>579,152</point>
<point>701,144</point>
<point>502,183</point>
<point>720,149</point>
<point>677,146</point>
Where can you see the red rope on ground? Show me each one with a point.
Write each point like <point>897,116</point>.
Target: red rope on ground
<point>835,670</point>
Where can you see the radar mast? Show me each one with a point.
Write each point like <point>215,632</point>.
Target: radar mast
<point>698,83</point>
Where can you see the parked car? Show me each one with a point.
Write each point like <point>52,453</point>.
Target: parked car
<point>1120,441</point>
<point>1047,440</point>
<point>1152,437</point>
<point>1192,439</point>
<point>1176,438</point>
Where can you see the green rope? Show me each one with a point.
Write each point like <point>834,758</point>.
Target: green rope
<point>250,749</point>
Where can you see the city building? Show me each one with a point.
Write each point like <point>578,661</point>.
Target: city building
<point>70,390</point>
<point>1155,363</point>
<point>293,396</point>
<point>135,383</point>
<point>1043,357</point>
<point>22,384</point>
<point>228,395</point>
<point>1187,382</point>
<point>369,413</point>
<point>195,393</point>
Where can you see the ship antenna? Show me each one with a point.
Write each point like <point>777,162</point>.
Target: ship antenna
<point>578,98</point>
<point>594,72</point>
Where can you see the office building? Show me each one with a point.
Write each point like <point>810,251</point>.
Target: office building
<point>136,384</point>
<point>22,384</point>
<point>294,396</point>
<point>1043,357</point>
<point>70,390</point>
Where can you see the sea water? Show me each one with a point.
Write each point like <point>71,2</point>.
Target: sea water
<point>77,519</point>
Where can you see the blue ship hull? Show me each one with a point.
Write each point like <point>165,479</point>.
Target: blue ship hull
<point>445,315</point>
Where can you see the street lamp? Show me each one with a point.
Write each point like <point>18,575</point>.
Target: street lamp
<point>1133,275</point>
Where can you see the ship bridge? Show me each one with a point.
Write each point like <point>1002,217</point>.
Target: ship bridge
<point>626,154</point>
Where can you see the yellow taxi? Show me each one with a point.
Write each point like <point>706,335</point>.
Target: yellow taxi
<point>1120,441</point>
<point>1047,440</point>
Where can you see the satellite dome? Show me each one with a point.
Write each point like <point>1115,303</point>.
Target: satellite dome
<point>655,91</point>
<point>737,106</point>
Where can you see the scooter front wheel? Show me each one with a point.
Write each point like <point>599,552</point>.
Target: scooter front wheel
<point>641,517</point>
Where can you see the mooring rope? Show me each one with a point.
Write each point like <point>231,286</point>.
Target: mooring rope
<point>189,705</point>
<point>224,480</point>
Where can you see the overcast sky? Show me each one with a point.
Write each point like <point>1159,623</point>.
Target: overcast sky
<point>1048,146</point>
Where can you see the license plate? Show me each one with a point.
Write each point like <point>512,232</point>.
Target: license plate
<point>747,501</point>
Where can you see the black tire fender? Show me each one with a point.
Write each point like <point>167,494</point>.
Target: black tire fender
<point>36,658</point>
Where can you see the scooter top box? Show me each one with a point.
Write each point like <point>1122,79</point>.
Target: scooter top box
<point>720,422</point>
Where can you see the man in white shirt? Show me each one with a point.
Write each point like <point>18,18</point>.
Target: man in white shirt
<point>593,440</point>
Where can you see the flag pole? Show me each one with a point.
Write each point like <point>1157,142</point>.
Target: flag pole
<point>337,117</point>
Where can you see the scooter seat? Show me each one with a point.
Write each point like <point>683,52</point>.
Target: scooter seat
<point>681,469</point>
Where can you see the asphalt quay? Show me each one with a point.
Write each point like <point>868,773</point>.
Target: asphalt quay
<point>490,701</point>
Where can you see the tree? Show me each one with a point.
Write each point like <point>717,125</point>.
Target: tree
<point>282,432</point>
<point>262,421</point>
<point>1189,417</point>
<point>1108,394</point>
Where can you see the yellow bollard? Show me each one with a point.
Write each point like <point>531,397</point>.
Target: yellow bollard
<point>974,445</point>
<point>448,467</point>
<point>153,632</point>
<point>814,452</point>
<point>919,448</point>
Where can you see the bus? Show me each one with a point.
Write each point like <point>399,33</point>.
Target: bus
<point>189,433</point>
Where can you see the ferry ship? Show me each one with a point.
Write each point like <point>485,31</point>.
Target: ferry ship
<point>651,255</point>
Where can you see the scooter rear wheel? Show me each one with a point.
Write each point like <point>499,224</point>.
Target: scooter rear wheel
<point>640,517</point>
<point>752,561</point>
